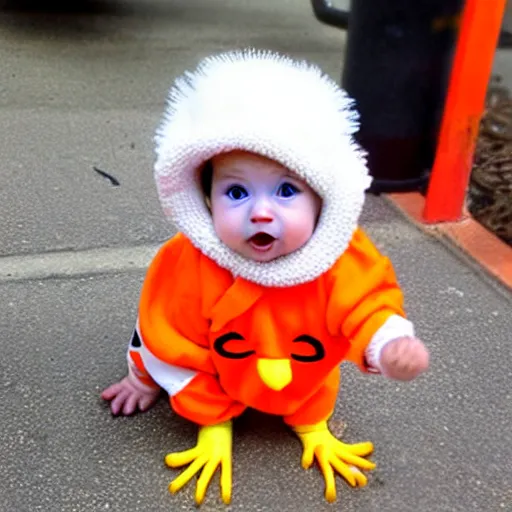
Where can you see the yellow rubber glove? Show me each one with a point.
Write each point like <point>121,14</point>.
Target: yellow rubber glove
<point>331,454</point>
<point>213,449</point>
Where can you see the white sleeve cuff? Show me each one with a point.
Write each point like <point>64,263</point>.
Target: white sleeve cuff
<point>394,327</point>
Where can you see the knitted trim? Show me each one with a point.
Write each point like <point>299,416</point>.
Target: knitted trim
<point>282,109</point>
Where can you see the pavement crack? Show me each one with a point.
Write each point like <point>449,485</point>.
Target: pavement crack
<point>67,264</point>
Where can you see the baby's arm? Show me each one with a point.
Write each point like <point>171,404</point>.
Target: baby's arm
<point>135,392</point>
<point>395,352</point>
<point>366,307</point>
<point>138,390</point>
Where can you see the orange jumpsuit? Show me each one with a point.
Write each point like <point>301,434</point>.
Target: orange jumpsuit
<point>201,331</point>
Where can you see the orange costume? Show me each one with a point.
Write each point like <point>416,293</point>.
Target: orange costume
<point>220,332</point>
<point>205,336</point>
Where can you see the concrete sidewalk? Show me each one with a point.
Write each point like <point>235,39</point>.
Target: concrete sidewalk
<point>443,443</point>
<point>88,90</point>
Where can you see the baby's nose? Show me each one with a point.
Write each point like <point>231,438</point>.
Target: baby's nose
<point>262,213</point>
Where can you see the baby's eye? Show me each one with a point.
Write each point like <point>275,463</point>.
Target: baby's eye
<point>236,192</point>
<point>287,190</point>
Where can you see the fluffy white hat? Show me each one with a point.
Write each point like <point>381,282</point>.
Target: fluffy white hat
<point>286,110</point>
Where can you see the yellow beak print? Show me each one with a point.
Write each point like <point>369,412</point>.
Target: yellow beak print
<point>275,373</point>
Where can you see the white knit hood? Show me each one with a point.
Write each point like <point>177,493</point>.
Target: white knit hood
<point>286,110</point>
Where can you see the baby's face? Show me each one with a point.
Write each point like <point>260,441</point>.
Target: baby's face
<point>260,209</point>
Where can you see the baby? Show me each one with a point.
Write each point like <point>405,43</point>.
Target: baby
<point>269,284</point>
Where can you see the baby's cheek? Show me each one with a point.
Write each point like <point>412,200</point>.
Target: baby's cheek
<point>304,223</point>
<point>227,228</point>
<point>298,234</point>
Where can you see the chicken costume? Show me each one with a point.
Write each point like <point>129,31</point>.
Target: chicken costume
<point>221,333</point>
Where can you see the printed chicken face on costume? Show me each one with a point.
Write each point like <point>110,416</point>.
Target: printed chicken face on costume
<point>259,208</point>
<point>278,351</point>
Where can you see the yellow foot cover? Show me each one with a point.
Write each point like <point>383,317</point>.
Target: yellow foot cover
<point>333,455</point>
<point>213,449</point>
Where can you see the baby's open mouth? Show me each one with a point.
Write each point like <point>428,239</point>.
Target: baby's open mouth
<point>261,241</point>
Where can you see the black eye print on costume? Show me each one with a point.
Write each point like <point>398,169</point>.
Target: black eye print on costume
<point>135,342</point>
<point>317,345</point>
<point>219,343</point>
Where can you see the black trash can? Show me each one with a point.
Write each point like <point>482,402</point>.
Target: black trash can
<point>397,66</point>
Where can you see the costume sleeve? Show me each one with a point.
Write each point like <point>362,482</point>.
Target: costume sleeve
<point>170,322</point>
<point>172,336</point>
<point>364,295</point>
<point>136,369</point>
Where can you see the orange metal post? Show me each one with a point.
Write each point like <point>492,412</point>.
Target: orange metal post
<point>472,66</point>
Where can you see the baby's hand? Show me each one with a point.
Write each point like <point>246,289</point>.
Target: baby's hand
<point>126,397</point>
<point>404,359</point>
